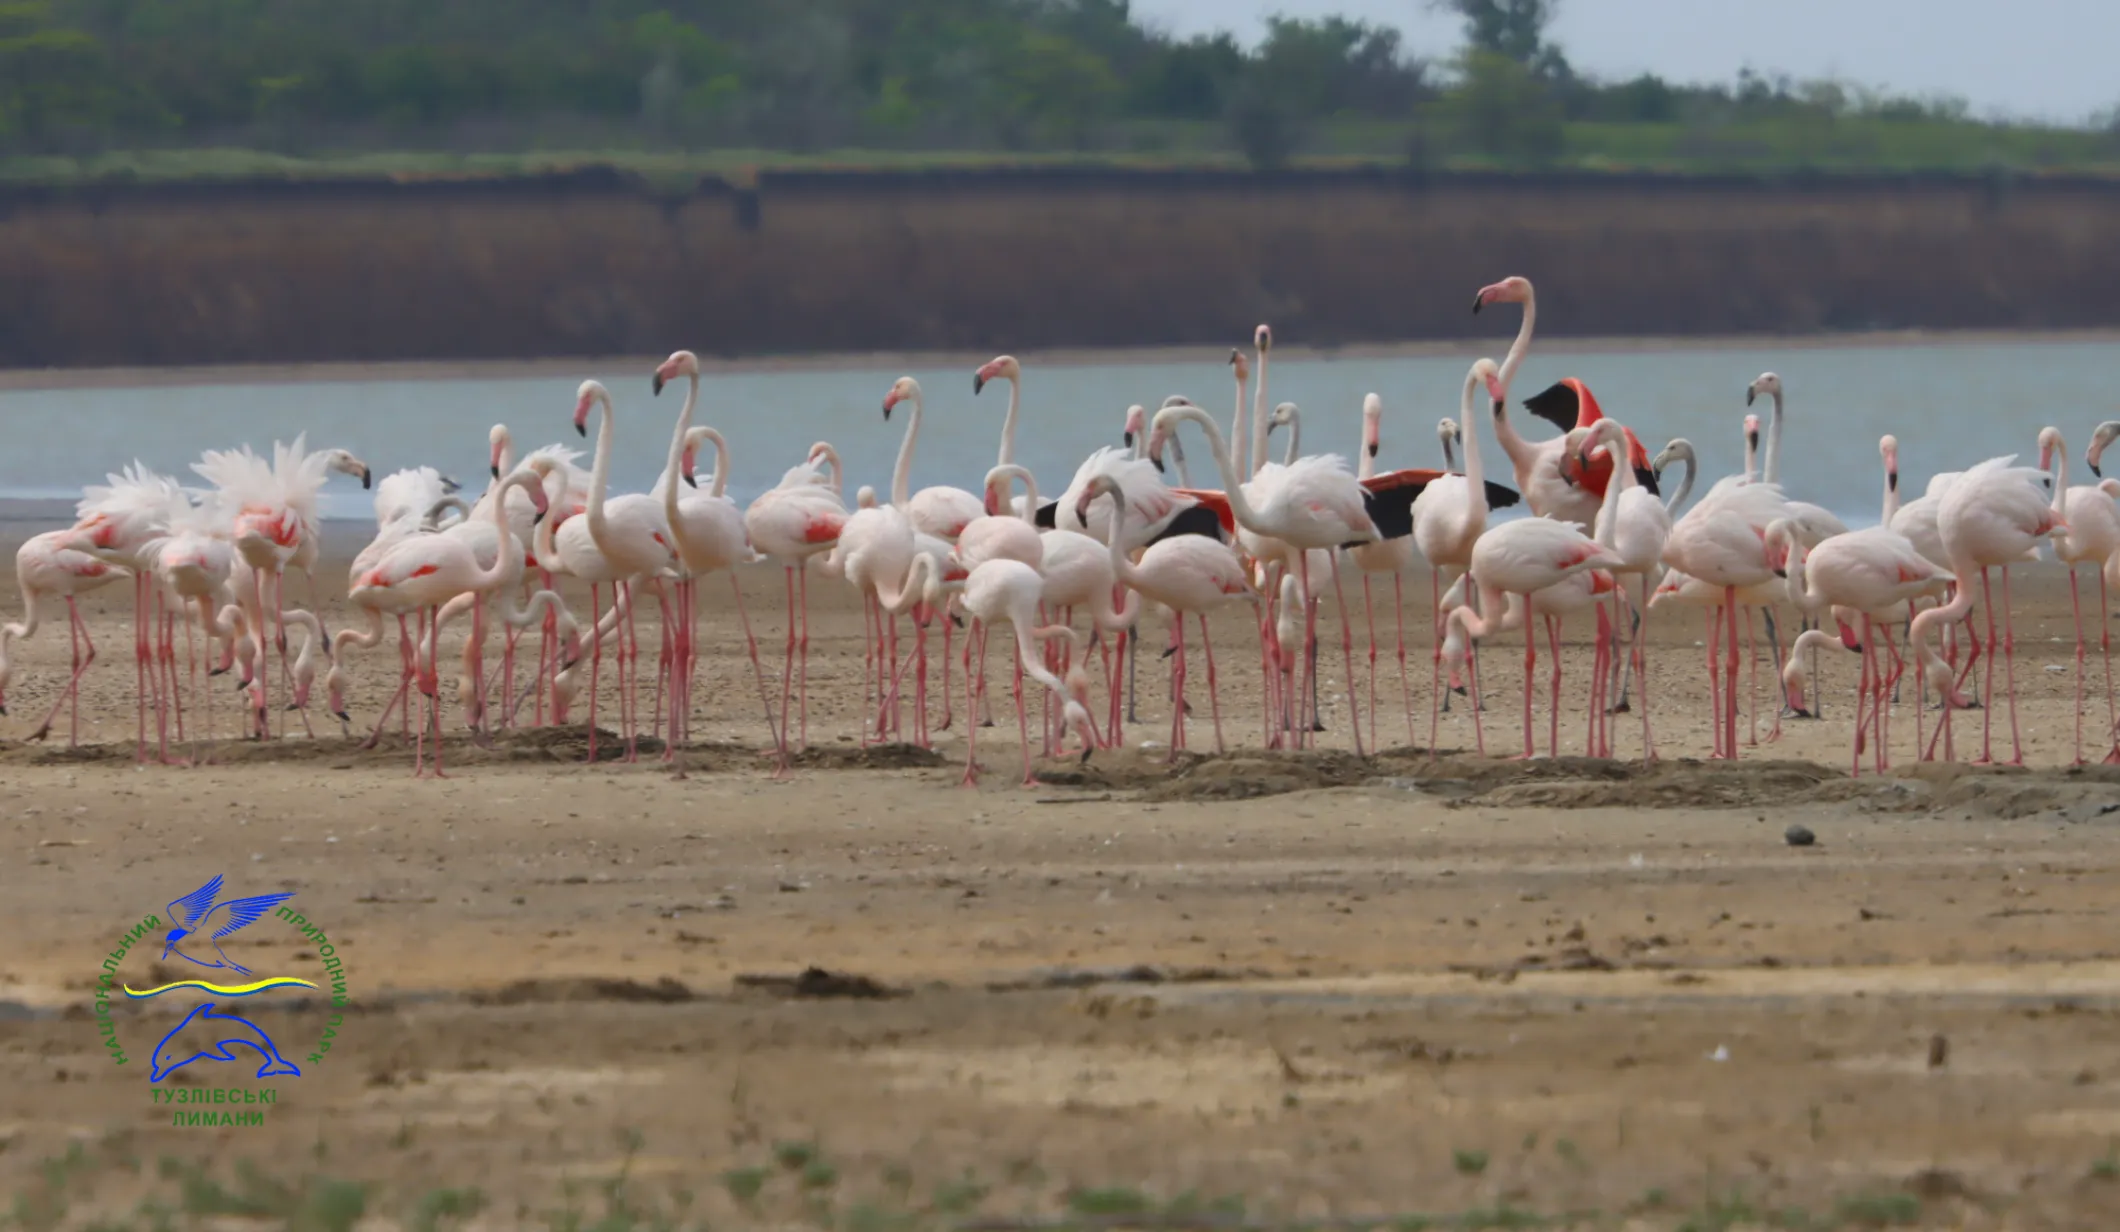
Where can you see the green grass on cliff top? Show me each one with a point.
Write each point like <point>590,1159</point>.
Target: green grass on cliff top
<point>1846,146</point>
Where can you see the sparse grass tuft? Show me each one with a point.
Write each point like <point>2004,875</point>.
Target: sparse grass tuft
<point>1469,1163</point>
<point>1890,1210</point>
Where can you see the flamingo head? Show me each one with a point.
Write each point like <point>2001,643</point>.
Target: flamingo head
<point>865,497</point>
<point>2102,436</point>
<point>1765,385</point>
<point>1447,431</point>
<point>346,464</point>
<point>901,389</point>
<point>1888,449</point>
<point>686,462</point>
<point>1262,339</point>
<point>588,395</point>
<point>1102,485</point>
<point>1490,374</point>
<point>1285,415</point>
<point>1752,433</point>
<point>538,498</point>
<point>1372,423</point>
<point>1779,542</point>
<point>1241,364</point>
<point>1136,423</point>
<point>1510,290</point>
<point>2049,445</point>
<point>680,363</point>
<point>999,368</point>
<point>498,440</point>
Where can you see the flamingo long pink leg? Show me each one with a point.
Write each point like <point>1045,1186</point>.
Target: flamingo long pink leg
<point>803,678</point>
<point>1436,687</point>
<point>1713,642</point>
<point>596,656</point>
<point>973,682</point>
<point>1398,608</point>
<point>1369,616</point>
<point>2009,669</point>
<point>1339,598</point>
<point>2075,604</point>
<point>1987,691</point>
<point>1214,700</point>
<point>1553,706</point>
<point>787,666</point>
<point>2105,640</point>
<point>1530,675</point>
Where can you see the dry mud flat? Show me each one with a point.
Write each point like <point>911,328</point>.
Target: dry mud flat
<point>1305,987</point>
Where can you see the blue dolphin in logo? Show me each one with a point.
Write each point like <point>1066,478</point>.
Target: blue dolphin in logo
<point>239,1031</point>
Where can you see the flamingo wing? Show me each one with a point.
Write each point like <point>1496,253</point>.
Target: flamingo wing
<point>1217,503</point>
<point>1566,404</point>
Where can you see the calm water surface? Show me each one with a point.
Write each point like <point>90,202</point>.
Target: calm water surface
<point>1950,405</point>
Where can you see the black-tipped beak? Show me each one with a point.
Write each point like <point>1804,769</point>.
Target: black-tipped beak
<point>1129,439</point>
<point>581,429</point>
<point>1086,751</point>
<point>496,469</point>
<point>1781,573</point>
<point>886,412</point>
<point>978,382</point>
<point>691,482</point>
<point>1372,451</point>
<point>1750,394</point>
<point>537,517</point>
<point>451,484</point>
<point>1158,463</point>
<point>1498,409</point>
<point>657,384</point>
<point>1478,302</point>
<point>342,716</point>
<point>2095,471</point>
<point>367,479</point>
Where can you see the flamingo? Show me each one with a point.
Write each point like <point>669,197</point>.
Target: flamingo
<point>710,536</point>
<point>1449,516</point>
<point>617,541</point>
<point>789,524</point>
<point>1188,574</point>
<point>2092,536</point>
<point>1002,589</point>
<point>1548,489</point>
<point>1868,572</point>
<point>118,520</point>
<point>938,511</point>
<point>1316,504</point>
<point>1633,525</point>
<point>1720,542</point>
<point>1522,557</point>
<point>428,571</point>
<point>46,569</point>
<point>270,510</point>
<point>1993,515</point>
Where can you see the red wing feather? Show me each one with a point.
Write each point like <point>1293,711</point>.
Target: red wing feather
<point>1415,478</point>
<point>1217,501</point>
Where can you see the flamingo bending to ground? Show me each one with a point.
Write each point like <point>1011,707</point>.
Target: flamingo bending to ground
<point>1009,590</point>
<point>1449,516</point>
<point>1634,526</point>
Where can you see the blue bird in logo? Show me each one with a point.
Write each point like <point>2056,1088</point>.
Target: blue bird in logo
<point>198,912</point>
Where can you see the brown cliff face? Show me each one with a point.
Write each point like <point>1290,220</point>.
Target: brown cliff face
<point>597,263</point>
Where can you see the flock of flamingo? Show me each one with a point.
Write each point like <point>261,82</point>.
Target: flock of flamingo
<point>1601,541</point>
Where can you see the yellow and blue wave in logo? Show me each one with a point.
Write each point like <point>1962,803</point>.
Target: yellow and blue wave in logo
<point>219,990</point>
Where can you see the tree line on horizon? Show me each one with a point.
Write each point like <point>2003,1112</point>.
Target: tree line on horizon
<point>1024,76</point>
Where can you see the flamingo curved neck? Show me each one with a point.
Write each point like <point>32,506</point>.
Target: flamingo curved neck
<point>1607,433</point>
<point>1030,492</point>
<point>1685,486</point>
<point>1237,434</point>
<point>902,475</point>
<point>667,490</point>
<point>1124,612</point>
<point>1233,487</point>
<point>1475,474</point>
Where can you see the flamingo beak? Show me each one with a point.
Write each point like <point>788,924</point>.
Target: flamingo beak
<point>889,401</point>
<point>1372,449</point>
<point>1128,437</point>
<point>657,383</point>
<point>1751,393</point>
<point>1479,301</point>
<point>978,381</point>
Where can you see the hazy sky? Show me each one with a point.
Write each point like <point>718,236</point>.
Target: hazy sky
<point>2043,58</point>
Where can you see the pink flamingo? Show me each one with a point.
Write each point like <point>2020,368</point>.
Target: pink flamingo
<point>1317,504</point>
<point>1634,526</point>
<point>1008,590</point>
<point>1993,515</point>
<point>709,535</point>
<point>790,524</point>
<point>116,521</point>
<point>1185,573</point>
<point>423,574</point>
<point>1721,543</point>
<point>1871,572</point>
<point>46,569</point>
<point>1449,516</point>
<point>2091,537</point>
<point>619,540</point>
<point>1523,558</point>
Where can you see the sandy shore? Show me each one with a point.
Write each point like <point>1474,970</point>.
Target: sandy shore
<point>413,370</point>
<point>1326,987</point>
